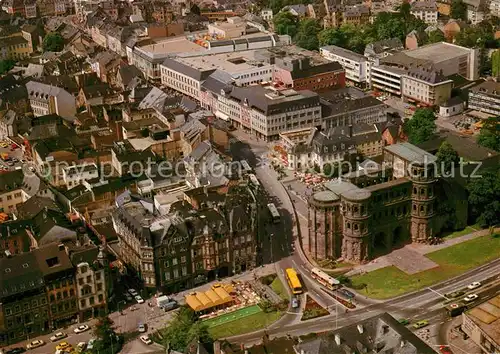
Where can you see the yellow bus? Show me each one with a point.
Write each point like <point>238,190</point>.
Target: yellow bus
<point>293,281</point>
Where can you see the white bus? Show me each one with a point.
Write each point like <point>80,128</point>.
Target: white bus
<point>274,213</point>
<point>324,279</point>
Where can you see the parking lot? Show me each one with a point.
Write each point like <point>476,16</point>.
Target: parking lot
<point>15,157</point>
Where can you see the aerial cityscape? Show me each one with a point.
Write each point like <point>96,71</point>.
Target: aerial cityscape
<point>250,177</point>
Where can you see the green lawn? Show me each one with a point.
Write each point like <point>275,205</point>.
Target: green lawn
<point>466,231</point>
<point>389,282</point>
<point>248,324</point>
<point>233,316</point>
<point>279,289</point>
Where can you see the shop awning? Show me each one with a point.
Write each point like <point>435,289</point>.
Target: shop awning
<point>216,296</point>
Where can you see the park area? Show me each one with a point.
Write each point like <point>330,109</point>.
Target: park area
<point>245,320</point>
<point>389,282</point>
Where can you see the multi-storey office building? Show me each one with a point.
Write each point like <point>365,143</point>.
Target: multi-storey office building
<point>485,98</point>
<point>356,66</point>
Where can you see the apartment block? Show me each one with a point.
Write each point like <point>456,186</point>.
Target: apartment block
<point>47,99</point>
<point>426,85</point>
<point>425,11</point>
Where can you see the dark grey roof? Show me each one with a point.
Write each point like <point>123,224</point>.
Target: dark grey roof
<point>258,39</point>
<point>33,206</point>
<point>488,87</point>
<point>384,45</point>
<point>187,70</point>
<point>381,333</point>
<point>427,74</point>
<point>19,274</point>
<point>255,97</point>
<point>332,108</point>
<point>221,43</point>
<point>217,81</point>
<point>331,66</point>
<point>10,181</point>
<point>453,101</point>
<point>129,72</point>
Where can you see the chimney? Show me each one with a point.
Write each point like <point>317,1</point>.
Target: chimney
<point>61,247</point>
<point>360,329</point>
<point>402,344</point>
<point>337,339</point>
<point>350,130</point>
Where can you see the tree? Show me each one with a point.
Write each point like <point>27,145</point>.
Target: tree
<point>307,35</point>
<point>53,42</point>
<point>484,196</point>
<point>436,37</point>
<point>458,10</point>
<point>327,169</point>
<point>286,23</point>
<point>332,36</point>
<point>489,136</point>
<point>421,126</point>
<point>195,9</point>
<point>183,329</point>
<point>447,157</point>
<point>6,65</point>
<point>495,64</point>
<point>108,341</point>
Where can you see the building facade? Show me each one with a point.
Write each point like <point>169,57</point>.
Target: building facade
<point>485,98</point>
<point>356,66</point>
<point>360,223</point>
<point>426,85</point>
<point>193,242</point>
<point>47,99</point>
<point>24,309</point>
<point>425,11</point>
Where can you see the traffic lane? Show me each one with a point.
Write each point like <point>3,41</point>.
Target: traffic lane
<point>49,346</point>
<point>324,323</point>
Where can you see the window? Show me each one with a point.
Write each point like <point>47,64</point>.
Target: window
<point>89,279</point>
<point>98,276</point>
<point>80,281</point>
<point>100,297</point>
<point>83,269</point>
<point>83,303</point>
<point>91,300</point>
<point>99,286</point>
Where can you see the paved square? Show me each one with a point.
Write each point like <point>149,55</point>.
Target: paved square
<point>410,261</point>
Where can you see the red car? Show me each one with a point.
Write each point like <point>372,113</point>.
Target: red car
<point>444,349</point>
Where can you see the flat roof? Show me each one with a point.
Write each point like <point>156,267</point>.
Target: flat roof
<point>232,63</point>
<point>438,52</point>
<point>342,52</point>
<point>171,46</point>
<point>487,317</point>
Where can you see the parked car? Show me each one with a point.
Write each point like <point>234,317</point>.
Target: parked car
<point>444,349</point>
<point>145,339</point>
<point>35,344</point>
<point>404,321</point>
<point>128,297</point>
<point>63,346</point>
<point>474,285</point>
<point>471,297</point>
<point>139,299</point>
<point>58,336</point>
<point>141,328</point>
<point>80,347</point>
<point>295,303</point>
<point>16,350</point>
<point>421,324</point>
<point>90,344</point>
<point>81,329</point>
<point>133,292</point>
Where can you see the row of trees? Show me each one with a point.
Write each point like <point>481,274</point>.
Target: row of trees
<point>308,33</point>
